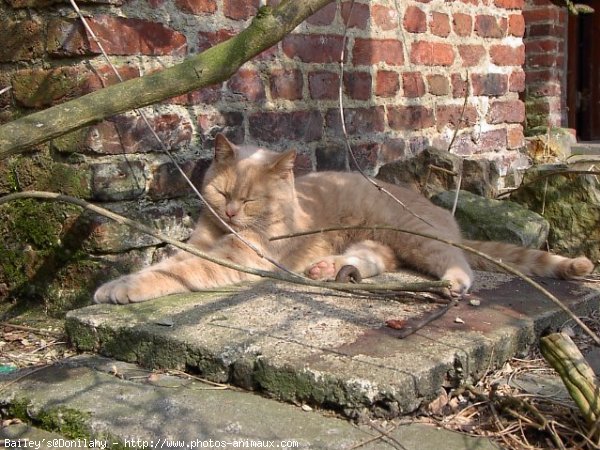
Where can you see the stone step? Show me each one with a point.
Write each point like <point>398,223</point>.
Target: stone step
<point>329,350</point>
<point>95,402</point>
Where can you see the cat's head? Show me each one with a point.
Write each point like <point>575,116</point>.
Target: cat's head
<point>250,187</point>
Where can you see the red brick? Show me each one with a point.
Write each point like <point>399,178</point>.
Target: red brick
<point>104,76</point>
<point>129,134</point>
<point>324,85</point>
<point>247,84</point>
<point>516,81</point>
<point>493,140</point>
<point>471,55</point>
<point>516,25</point>
<point>545,30</point>
<point>544,60</point>
<point>547,14</point>
<point>286,84</point>
<point>272,126</point>
<point>512,111</point>
<point>410,117</point>
<point>240,9</point>
<point>415,20</point>
<point>357,85</point>
<point>197,6</point>
<point>460,86</point>
<point>464,145</point>
<point>491,84</point>
<point>510,4</point>
<point>542,75</point>
<point>207,95</point>
<point>167,181</point>
<point>21,40</point>
<point>303,164</point>
<point>392,150</point>
<point>387,83</point>
<point>438,84</point>
<point>366,155</point>
<point>208,39</point>
<point>372,51</point>
<point>463,24</point>
<point>431,53</point>
<point>505,55</point>
<point>514,137</point>
<point>541,46</point>
<point>123,36</point>
<point>413,84</point>
<point>324,16</point>
<point>550,89</point>
<point>490,26</point>
<point>156,3</point>
<point>453,115</point>
<point>231,124</point>
<point>313,48</point>
<point>67,38</point>
<point>440,24</point>
<point>355,15</point>
<point>359,121</point>
<point>385,18</point>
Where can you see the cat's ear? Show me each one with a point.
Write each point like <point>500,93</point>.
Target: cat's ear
<point>224,150</point>
<point>284,164</point>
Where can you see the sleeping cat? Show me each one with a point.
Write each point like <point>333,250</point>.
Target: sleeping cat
<point>254,191</point>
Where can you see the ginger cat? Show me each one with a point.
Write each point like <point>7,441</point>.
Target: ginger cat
<point>255,192</point>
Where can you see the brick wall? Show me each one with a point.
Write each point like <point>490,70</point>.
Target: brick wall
<point>545,64</point>
<point>408,67</point>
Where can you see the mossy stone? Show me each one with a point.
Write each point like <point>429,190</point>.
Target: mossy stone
<point>495,220</point>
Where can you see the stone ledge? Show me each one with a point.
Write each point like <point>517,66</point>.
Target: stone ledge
<point>137,409</point>
<point>324,349</point>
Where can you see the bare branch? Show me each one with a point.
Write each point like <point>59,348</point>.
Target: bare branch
<point>212,66</point>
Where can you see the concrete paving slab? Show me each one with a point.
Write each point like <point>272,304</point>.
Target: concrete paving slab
<point>330,350</point>
<point>111,404</point>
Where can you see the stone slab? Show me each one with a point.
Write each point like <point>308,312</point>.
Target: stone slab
<point>326,349</point>
<point>119,405</point>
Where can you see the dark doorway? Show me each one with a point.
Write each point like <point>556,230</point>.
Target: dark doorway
<point>583,76</point>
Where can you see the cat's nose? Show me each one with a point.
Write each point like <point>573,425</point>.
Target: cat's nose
<point>231,210</point>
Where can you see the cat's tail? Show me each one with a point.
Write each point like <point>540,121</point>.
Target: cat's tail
<point>528,261</point>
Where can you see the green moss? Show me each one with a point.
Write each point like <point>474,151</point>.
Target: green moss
<point>293,386</point>
<point>68,422</point>
<point>41,256</point>
<point>19,409</point>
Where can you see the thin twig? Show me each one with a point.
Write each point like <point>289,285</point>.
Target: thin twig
<point>462,113</point>
<point>495,261</point>
<point>425,286</point>
<point>31,329</point>
<point>6,89</point>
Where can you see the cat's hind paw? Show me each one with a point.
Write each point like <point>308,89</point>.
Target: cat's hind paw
<point>324,269</point>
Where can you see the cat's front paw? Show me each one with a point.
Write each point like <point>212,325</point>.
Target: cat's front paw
<point>127,289</point>
<point>460,281</point>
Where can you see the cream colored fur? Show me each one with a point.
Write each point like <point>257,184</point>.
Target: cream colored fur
<point>254,191</point>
